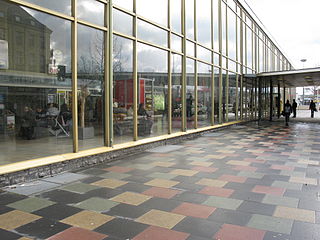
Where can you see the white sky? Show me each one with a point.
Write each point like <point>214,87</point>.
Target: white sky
<point>295,25</point>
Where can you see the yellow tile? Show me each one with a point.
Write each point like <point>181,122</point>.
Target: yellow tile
<point>131,198</point>
<point>163,164</point>
<point>161,183</point>
<point>309,162</point>
<point>202,164</point>
<point>16,218</point>
<point>212,182</point>
<point>87,220</point>
<point>240,163</point>
<point>295,213</point>
<point>214,156</point>
<point>312,181</point>
<point>109,183</point>
<point>184,172</point>
<point>160,219</point>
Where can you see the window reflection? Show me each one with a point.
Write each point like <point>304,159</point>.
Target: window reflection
<point>156,11</point>
<point>63,6</point>
<point>122,90</point>
<point>176,16</point>
<point>91,11</point>
<point>176,70</point>
<point>127,4</point>
<point>122,22</point>
<point>35,85</point>
<point>204,22</point>
<point>190,19</point>
<point>151,33</point>
<point>190,106</point>
<point>232,97</point>
<point>90,87</point>
<point>152,91</point>
<point>204,95</point>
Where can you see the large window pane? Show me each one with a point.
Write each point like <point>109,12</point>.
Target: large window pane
<point>216,95</point>
<point>156,11</point>
<point>224,104</point>
<point>176,16</point>
<point>91,11</point>
<point>216,24</point>
<point>127,4</point>
<point>204,22</point>
<point>204,95</point>
<point>35,85</point>
<point>190,93</point>
<point>190,19</point>
<point>176,70</point>
<point>232,96</point>
<point>152,91</point>
<point>203,54</point>
<point>122,22</point>
<point>63,6</point>
<point>224,27</point>
<point>232,48</point>
<point>122,90</point>
<point>152,34</point>
<point>90,87</point>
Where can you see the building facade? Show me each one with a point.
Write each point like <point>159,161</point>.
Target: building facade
<point>80,75</point>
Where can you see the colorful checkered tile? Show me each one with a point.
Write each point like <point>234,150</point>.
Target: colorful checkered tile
<point>245,182</point>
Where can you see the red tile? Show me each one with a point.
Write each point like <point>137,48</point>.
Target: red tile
<point>161,192</point>
<point>254,160</point>
<point>282,167</point>
<point>233,232</point>
<point>216,191</point>
<point>205,169</point>
<point>158,233</point>
<point>194,210</point>
<point>118,169</point>
<point>231,178</point>
<point>75,233</point>
<point>245,168</point>
<point>269,190</point>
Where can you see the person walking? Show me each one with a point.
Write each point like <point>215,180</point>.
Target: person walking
<point>287,111</point>
<point>313,108</point>
<point>294,108</point>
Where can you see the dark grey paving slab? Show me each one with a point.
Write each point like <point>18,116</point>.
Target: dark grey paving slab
<point>191,197</point>
<point>32,187</point>
<point>65,178</point>
<point>303,230</point>
<point>276,236</point>
<point>257,208</point>
<point>160,204</point>
<point>248,196</point>
<point>199,227</point>
<point>230,217</point>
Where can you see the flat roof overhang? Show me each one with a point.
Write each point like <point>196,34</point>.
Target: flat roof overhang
<point>294,78</point>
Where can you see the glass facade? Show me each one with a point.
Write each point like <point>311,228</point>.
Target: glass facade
<point>78,75</point>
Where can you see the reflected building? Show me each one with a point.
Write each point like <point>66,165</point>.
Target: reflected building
<point>74,87</point>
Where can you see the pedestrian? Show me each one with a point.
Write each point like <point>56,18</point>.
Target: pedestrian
<point>287,111</point>
<point>294,108</point>
<point>313,108</point>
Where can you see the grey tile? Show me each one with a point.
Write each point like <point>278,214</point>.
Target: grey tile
<point>31,188</point>
<point>257,208</point>
<point>190,197</point>
<point>65,178</point>
<point>309,204</point>
<point>221,202</point>
<point>198,227</point>
<point>248,196</point>
<point>230,217</point>
<point>269,223</point>
<point>276,236</point>
<point>303,230</point>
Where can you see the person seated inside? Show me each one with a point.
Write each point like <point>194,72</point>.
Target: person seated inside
<point>142,111</point>
<point>27,123</point>
<point>41,117</point>
<point>53,110</point>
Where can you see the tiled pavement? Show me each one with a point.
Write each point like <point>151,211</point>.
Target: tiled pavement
<point>241,183</point>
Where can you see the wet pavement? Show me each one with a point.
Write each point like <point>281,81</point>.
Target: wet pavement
<point>241,183</point>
